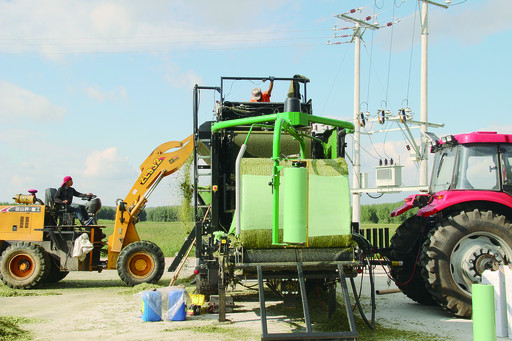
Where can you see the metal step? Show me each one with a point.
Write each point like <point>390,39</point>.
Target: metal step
<point>309,334</point>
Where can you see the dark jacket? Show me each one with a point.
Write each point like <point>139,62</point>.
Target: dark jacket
<point>65,193</point>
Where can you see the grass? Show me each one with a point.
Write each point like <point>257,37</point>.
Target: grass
<point>222,330</point>
<point>169,236</point>
<point>337,323</point>
<point>5,291</point>
<point>10,329</point>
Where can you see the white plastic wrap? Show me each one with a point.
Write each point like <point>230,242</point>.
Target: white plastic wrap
<point>177,302</point>
<point>151,305</point>
<point>168,304</point>
<point>508,293</point>
<point>497,279</point>
<point>82,247</point>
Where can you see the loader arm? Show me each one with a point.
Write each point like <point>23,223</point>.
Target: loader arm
<point>159,164</point>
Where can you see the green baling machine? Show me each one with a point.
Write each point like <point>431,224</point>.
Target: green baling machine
<point>272,200</point>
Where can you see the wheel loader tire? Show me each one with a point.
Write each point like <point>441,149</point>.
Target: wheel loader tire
<point>457,252</point>
<point>24,265</point>
<point>140,262</point>
<point>55,274</point>
<point>405,246</point>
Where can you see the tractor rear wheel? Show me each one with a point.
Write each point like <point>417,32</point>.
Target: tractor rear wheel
<point>24,265</point>
<point>141,262</point>
<point>405,246</point>
<point>457,252</point>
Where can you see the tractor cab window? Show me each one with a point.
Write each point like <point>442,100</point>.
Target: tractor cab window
<point>442,172</point>
<point>478,168</point>
<point>506,168</point>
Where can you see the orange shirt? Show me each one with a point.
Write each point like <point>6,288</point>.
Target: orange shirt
<point>265,97</point>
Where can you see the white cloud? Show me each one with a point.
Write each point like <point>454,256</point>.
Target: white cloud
<point>106,164</point>
<point>20,104</point>
<point>392,147</point>
<point>96,93</point>
<point>181,79</point>
<point>468,23</point>
<point>57,27</point>
<point>471,23</point>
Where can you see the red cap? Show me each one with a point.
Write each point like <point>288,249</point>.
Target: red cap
<point>66,179</point>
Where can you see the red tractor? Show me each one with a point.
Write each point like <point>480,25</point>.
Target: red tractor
<point>463,225</point>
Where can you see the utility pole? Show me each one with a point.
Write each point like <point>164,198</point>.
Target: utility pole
<point>424,90</point>
<point>359,30</point>
<point>356,176</point>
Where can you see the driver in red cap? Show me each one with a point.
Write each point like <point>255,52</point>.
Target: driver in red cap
<point>65,194</point>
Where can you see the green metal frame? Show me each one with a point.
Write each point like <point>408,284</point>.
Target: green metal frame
<point>286,121</point>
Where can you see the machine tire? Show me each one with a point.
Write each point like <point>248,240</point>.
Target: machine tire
<point>140,262</point>
<point>458,250</point>
<point>405,246</point>
<point>24,265</point>
<point>55,274</point>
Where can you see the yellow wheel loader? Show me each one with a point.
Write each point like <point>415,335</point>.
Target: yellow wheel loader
<point>39,241</point>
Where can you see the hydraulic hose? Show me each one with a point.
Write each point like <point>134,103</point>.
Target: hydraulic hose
<point>371,324</point>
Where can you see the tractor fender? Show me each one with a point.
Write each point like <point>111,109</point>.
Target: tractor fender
<point>410,202</point>
<point>445,199</point>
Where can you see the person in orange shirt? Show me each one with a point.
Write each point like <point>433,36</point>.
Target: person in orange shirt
<point>258,96</point>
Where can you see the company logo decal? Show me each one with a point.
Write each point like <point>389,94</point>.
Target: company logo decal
<point>22,209</point>
<point>145,177</point>
<point>176,158</point>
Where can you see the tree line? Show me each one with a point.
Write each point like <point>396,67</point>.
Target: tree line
<point>155,214</point>
<point>375,213</point>
<point>380,213</point>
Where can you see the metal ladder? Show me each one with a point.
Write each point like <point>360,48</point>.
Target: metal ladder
<point>309,333</point>
<point>201,211</point>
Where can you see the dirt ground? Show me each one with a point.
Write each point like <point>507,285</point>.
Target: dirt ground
<point>92,306</point>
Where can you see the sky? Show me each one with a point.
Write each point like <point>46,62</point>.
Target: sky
<point>90,88</point>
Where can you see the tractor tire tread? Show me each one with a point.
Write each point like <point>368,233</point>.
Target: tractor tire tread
<point>42,264</point>
<point>437,249</point>
<point>147,247</point>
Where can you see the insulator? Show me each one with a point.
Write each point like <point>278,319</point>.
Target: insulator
<point>402,115</point>
<point>381,117</point>
<point>361,120</point>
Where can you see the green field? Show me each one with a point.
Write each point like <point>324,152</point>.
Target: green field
<point>169,236</point>
<point>392,227</point>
